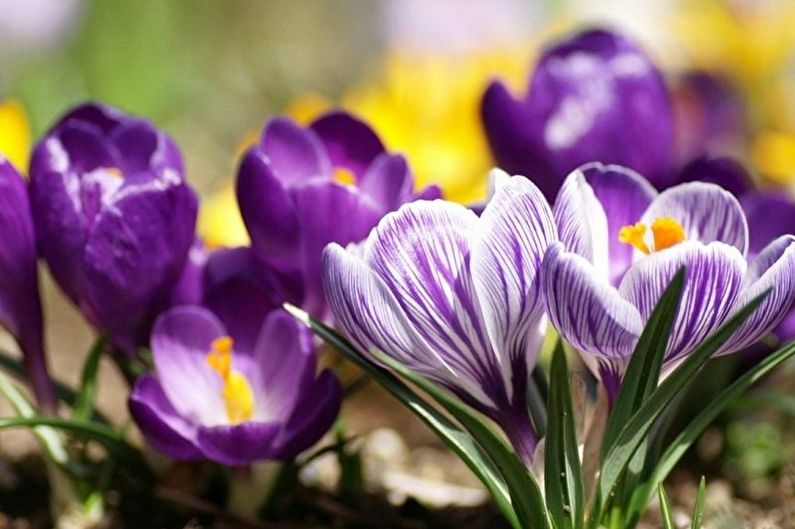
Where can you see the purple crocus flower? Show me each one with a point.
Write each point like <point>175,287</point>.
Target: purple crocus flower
<point>622,243</point>
<point>212,398</point>
<point>20,305</point>
<point>454,296</point>
<point>595,96</point>
<point>114,217</point>
<point>302,188</point>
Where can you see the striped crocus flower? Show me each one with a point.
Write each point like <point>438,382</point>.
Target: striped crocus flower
<point>622,243</point>
<point>454,296</point>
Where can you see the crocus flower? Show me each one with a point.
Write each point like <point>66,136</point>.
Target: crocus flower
<point>454,296</point>
<point>20,306</point>
<point>114,217</point>
<point>302,188</point>
<point>622,243</point>
<point>213,398</point>
<point>595,96</point>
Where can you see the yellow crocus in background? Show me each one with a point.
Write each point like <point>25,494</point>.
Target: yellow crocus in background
<point>15,134</point>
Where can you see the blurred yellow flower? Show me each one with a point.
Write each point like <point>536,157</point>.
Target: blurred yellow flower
<point>220,223</point>
<point>14,134</point>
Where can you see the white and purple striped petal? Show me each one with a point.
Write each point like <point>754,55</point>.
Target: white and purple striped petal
<point>707,212</point>
<point>713,278</point>
<point>773,269</point>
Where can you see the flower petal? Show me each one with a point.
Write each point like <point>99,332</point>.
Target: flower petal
<point>181,339</point>
<point>268,211</point>
<point>598,97</point>
<point>774,269</point>
<point>349,141</point>
<point>238,444</point>
<point>388,181</point>
<point>328,212</point>
<point>586,310</point>
<point>624,196</point>
<point>422,252</point>
<point>706,212</point>
<point>295,153</point>
<point>723,171</point>
<point>713,276</point>
<point>517,228</point>
<point>770,214</point>
<point>582,223</point>
<point>160,423</point>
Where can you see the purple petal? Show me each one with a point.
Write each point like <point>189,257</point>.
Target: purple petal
<point>238,444</point>
<point>770,214</point>
<point>508,126</point>
<point>706,212</point>
<point>296,154</point>
<point>313,416</point>
<point>517,228</point>
<point>774,269</point>
<point>582,223</point>
<point>598,97</point>
<point>20,305</point>
<point>429,192</point>
<point>142,147</point>
<point>624,196</point>
<point>713,277</point>
<point>329,212</point>
<point>135,253</point>
<point>241,293</point>
<point>189,288</point>
<point>181,340</point>
<point>286,365</point>
<point>421,253</point>
<point>349,141</point>
<point>103,117</point>
<point>586,310</point>
<point>268,211</point>
<point>388,181</point>
<point>160,423</point>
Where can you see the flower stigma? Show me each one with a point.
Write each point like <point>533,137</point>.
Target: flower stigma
<point>344,176</point>
<point>666,232</point>
<point>237,393</point>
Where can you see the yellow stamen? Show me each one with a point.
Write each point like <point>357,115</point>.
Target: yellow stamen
<point>633,234</point>
<point>237,393</point>
<point>667,232</point>
<point>344,176</point>
<point>115,171</point>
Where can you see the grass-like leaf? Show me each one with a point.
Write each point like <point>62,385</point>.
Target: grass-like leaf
<point>562,469</point>
<point>698,510</point>
<point>665,509</point>
<point>84,402</point>
<point>459,441</point>
<point>691,432</point>
<point>635,430</point>
<point>643,371</point>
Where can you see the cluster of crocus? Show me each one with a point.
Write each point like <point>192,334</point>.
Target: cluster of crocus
<point>461,299</point>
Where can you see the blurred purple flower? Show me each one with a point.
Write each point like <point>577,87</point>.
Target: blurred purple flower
<point>20,305</point>
<point>598,97</point>
<point>114,217</point>
<point>216,395</point>
<point>454,296</point>
<point>622,243</point>
<point>302,188</point>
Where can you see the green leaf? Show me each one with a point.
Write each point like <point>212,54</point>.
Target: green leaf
<point>459,441</point>
<point>696,426</point>
<point>665,509</point>
<point>643,371</point>
<point>84,403</point>
<point>115,446</point>
<point>698,511</point>
<point>636,429</point>
<point>563,479</point>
